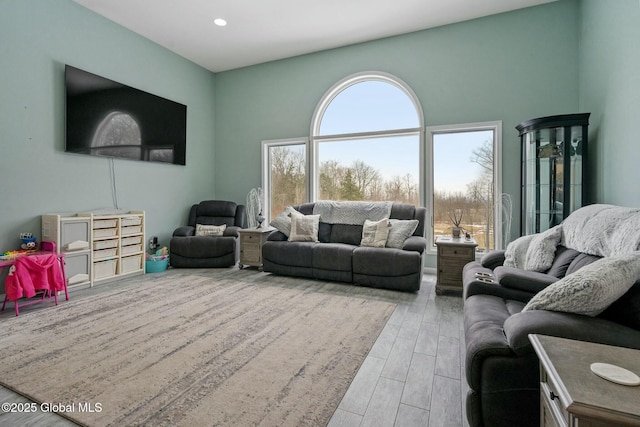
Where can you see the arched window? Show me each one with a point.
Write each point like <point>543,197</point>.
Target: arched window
<point>118,135</point>
<point>366,136</point>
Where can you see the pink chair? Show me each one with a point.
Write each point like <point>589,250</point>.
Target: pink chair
<point>41,289</point>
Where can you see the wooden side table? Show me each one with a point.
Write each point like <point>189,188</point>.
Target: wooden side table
<point>572,395</point>
<point>251,240</point>
<point>453,254</point>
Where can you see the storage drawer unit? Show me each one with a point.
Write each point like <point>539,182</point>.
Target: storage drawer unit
<point>453,254</point>
<point>251,240</point>
<point>98,245</point>
<point>72,236</point>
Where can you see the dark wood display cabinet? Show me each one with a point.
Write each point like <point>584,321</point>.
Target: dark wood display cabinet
<point>554,158</point>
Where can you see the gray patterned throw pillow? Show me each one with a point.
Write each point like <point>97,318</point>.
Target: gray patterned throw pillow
<point>590,290</point>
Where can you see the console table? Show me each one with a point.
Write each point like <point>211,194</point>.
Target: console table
<point>572,395</point>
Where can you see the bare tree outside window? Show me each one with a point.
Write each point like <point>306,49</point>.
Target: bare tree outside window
<point>463,165</point>
<point>287,177</point>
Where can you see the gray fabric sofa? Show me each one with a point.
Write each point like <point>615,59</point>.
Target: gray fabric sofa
<point>501,367</point>
<point>338,256</point>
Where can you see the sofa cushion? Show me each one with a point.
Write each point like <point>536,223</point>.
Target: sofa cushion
<point>385,261</point>
<point>399,232</point>
<point>298,254</point>
<point>580,261</point>
<point>304,228</point>
<point>324,232</point>
<point>202,246</point>
<point>484,317</point>
<point>564,257</point>
<point>374,233</point>
<point>333,256</point>
<point>590,290</point>
<point>345,233</point>
<point>216,208</point>
<point>626,309</point>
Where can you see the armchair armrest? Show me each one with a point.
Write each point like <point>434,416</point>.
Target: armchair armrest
<point>277,236</point>
<point>184,231</point>
<point>232,231</point>
<point>493,259</point>
<point>566,325</point>
<point>524,280</point>
<point>415,243</point>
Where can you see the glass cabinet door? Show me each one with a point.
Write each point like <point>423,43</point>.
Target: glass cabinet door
<point>552,169</point>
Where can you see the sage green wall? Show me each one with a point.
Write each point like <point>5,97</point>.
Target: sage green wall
<point>37,38</point>
<point>610,90</point>
<point>508,67</point>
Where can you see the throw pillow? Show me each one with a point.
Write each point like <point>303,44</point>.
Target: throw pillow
<point>542,249</point>
<point>304,228</point>
<point>516,252</point>
<point>210,230</point>
<point>400,231</point>
<point>283,221</point>
<point>374,233</point>
<point>590,290</point>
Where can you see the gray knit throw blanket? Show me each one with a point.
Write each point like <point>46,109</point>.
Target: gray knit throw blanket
<point>353,213</point>
<point>603,230</point>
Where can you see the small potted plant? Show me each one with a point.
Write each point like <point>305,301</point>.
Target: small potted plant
<point>456,219</point>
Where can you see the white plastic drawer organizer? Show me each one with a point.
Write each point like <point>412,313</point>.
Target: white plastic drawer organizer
<point>99,245</point>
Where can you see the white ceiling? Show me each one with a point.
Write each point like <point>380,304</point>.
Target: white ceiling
<point>266,30</point>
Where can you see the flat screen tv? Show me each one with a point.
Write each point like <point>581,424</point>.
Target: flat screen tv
<point>107,118</point>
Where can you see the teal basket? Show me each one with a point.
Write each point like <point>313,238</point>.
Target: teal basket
<point>156,265</point>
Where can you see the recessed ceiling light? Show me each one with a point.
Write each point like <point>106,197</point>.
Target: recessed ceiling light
<point>220,22</point>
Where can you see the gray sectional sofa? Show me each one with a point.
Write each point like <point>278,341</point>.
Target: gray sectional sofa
<point>502,369</point>
<point>338,256</point>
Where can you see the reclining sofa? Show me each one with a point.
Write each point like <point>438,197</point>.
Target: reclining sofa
<point>502,369</point>
<point>338,256</point>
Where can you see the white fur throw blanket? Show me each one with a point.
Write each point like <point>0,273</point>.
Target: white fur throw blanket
<point>353,213</point>
<point>603,230</point>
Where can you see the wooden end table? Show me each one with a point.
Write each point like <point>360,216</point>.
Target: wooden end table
<point>251,240</point>
<point>453,254</point>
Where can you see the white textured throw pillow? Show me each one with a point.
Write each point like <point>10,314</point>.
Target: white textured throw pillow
<point>516,252</point>
<point>400,231</point>
<point>374,233</point>
<point>283,221</point>
<point>542,249</point>
<point>304,228</point>
<point>210,230</point>
<point>591,289</point>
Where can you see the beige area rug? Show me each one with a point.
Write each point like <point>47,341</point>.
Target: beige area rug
<point>243,349</point>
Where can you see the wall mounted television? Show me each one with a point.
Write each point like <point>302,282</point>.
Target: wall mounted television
<point>107,118</point>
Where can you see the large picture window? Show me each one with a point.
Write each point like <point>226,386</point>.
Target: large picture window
<point>465,180</point>
<point>366,138</point>
<point>284,174</point>
<point>368,143</point>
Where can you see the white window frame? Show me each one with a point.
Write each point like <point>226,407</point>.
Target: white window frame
<point>312,178</point>
<point>266,169</point>
<point>496,127</point>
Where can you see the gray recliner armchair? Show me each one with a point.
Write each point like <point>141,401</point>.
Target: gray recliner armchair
<point>187,249</point>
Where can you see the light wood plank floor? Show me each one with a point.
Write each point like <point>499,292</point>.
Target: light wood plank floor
<point>413,375</point>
